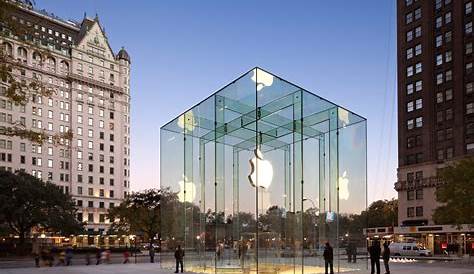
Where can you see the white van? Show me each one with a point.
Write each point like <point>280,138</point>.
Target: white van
<point>408,249</point>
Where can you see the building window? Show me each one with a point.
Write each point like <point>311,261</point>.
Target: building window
<point>410,107</point>
<point>468,48</point>
<point>449,133</point>
<point>447,18</point>
<point>409,35</point>
<point>449,114</point>
<point>410,195</point>
<point>469,67</point>
<point>409,53</point>
<point>469,88</point>
<point>470,147</point>
<point>468,28</point>
<point>468,8</point>
<point>448,37</point>
<point>448,56</point>
<point>439,78</point>
<point>418,31</point>
<point>409,17</point>
<point>449,75</point>
<point>409,71</point>
<point>439,59</point>
<point>419,211</point>
<point>409,88</point>
<point>419,104</point>
<point>417,13</point>
<point>449,153</point>
<point>439,22</point>
<point>419,85</point>
<point>410,124</point>
<point>439,97</point>
<point>419,122</point>
<point>440,135</point>
<point>449,94</point>
<point>419,194</point>
<point>440,155</point>
<point>470,108</point>
<point>439,41</point>
<point>439,116</point>
<point>418,50</point>
<point>418,68</point>
<point>411,212</point>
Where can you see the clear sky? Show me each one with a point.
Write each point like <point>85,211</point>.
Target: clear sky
<point>182,51</point>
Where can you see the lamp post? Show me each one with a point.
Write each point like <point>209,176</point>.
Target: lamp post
<point>314,220</point>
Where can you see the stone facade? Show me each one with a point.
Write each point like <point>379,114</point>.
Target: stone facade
<point>91,98</point>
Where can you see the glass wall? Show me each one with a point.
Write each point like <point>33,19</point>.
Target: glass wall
<point>260,176</point>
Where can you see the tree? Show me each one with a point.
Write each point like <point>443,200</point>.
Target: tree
<point>381,213</point>
<point>18,90</point>
<point>456,194</point>
<point>28,202</point>
<point>140,213</point>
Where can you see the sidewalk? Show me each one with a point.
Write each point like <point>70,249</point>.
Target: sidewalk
<point>147,268</point>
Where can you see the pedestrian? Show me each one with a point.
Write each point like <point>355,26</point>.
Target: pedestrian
<point>386,257</point>
<point>152,254</point>
<point>37,259</point>
<point>98,256</point>
<point>68,256</point>
<point>61,258</point>
<point>328,258</point>
<point>374,251</point>
<point>349,253</point>
<point>354,252</point>
<point>179,255</point>
<point>88,258</point>
<point>126,256</point>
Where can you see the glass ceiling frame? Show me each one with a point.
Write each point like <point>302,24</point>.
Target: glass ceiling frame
<point>241,131</point>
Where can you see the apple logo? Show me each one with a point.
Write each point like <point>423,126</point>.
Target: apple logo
<point>189,187</point>
<point>265,171</point>
<point>343,117</point>
<point>187,121</point>
<point>344,187</point>
<point>265,79</point>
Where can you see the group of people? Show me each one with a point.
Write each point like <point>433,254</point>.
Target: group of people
<point>374,252</point>
<point>47,257</point>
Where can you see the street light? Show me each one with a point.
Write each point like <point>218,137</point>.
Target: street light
<point>314,220</point>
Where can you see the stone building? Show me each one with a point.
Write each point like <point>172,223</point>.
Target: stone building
<point>91,98</point>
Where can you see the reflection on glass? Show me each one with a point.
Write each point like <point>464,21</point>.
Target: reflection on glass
<point>241,165</point>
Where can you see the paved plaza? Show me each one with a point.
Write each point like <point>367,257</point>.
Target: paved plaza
<point>147,268</point>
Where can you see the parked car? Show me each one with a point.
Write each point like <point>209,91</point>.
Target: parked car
<point>408,249</point>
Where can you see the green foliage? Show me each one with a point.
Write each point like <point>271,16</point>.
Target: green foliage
<point>382,213</point>
<point>29,203</point>
<point>456,194</point>
<point>140,212</point>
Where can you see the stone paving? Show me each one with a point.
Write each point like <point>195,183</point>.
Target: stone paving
<point>146,268</point>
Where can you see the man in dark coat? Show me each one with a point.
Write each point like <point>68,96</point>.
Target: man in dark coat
<point>386,257</point>
<point>179,255</point>
<point>374,252</point>
<point>328,258</point>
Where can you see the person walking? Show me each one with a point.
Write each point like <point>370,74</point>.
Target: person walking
<point>386,257</point>
<point>98,256</point>
<point>179,255</point>
<point>374,251</point>
<point>126,256</point>
<point>152,254</point>
<point>69,254</point>
<point>328,258</point>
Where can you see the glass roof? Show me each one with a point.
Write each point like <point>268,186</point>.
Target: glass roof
<point>260,105</point>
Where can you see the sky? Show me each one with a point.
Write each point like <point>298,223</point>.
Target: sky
<point>182,51</point>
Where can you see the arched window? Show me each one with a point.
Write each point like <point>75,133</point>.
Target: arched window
<point>64,66</point>
<point>8,48</point>
<point>21,54</point>
<point>37,58</point>
<point>51,64</point>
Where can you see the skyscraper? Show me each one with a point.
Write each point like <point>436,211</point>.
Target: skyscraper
<point>435,99</point>
<point>91,99</point>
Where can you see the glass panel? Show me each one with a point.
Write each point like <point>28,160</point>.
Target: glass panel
<point>263,175</point>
